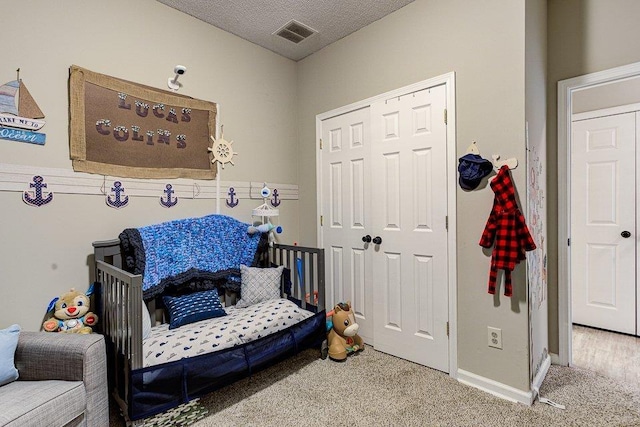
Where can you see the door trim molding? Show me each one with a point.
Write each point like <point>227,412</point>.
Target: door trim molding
<point>448,80</point>
<point>613,111</point>
<point>566,89</point>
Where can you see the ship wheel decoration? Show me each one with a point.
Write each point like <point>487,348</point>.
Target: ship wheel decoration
<point>222,151</point>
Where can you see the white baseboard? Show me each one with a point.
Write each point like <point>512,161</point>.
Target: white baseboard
<point>495,388</point>
<point>539,378</point>
<point>557,360</point>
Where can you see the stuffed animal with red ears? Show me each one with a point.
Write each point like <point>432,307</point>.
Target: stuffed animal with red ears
<point>343,338</point>
<point>70,313</point>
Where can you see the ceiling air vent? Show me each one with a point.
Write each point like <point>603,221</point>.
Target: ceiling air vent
<point>295,32</point>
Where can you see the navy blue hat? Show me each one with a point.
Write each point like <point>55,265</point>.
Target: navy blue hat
<point>472,169</point>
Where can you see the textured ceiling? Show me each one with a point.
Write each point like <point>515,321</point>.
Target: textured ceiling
<point>257,20</point>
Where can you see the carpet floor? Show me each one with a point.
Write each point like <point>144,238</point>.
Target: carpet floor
<point>375,389</point>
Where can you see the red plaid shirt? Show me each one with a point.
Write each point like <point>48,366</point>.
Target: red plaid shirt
<point>507,226</point>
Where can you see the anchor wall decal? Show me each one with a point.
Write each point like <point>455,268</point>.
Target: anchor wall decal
<point>118,202</point>
<point>169,202</point>
<point>275,202</point>
<point>37,186</point>
<point>232,202</point>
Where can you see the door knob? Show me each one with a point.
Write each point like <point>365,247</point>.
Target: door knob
<point>624,234</point>
<point>366,239</point>
<point>377,240</point>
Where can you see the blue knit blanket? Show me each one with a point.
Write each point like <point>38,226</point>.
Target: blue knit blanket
<point>175,253</point>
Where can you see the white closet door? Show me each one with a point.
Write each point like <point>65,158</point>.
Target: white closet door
<point>346,201</point>
<point>409,212</point>
<point>603,222</point>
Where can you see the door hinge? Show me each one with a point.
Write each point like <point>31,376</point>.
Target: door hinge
<point>445,116</point>
<point>321,143</point>
<point>446,222</point>
<point>568,242</point>
<point>447,328</point>
<point>321,220</point>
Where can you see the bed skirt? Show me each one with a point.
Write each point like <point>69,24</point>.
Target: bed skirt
<point>157,388</point>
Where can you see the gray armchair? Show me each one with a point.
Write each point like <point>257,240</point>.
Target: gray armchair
<point>63,382</point>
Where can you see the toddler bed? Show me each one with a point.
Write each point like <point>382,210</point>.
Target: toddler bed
<point>169,338</point>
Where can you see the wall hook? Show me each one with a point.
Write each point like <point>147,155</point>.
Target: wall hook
<point>511,162</point>
<point>473,148</point>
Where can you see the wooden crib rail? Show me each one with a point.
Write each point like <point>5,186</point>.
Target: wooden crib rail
<point>120,306</point>
<point>307,272</point>
<point>121,320</point>
<point>121,316</point>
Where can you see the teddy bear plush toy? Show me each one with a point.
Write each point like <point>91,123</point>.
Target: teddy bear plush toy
<point>343,338</point>
<point>71,313</point>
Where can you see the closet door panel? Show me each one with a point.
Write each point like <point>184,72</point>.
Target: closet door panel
<point>423,274</point>
<point>346,201</point>
<point>358,281</point>
<point>390,162</point>
<point>409,148</point>
<point>335,195</point>
<point>422,190</point>
<point>391,190</point>
<point>391,296</point>
<point>336,269</point>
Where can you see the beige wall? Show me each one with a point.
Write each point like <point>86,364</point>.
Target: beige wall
<point>609,95</point>
<point>271,121</point>
<point>584,36</point>
<point>425,39</point>
<point>45,250</point>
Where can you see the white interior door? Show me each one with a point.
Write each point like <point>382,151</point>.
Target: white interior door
<point>346,201</point>
<point>637,114</point>
<point>603,222</point>
<point>409,146</point>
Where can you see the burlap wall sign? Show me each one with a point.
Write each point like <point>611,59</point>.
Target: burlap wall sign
<point>125,129</point>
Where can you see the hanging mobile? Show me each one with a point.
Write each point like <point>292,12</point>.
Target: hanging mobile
<point>265,213</point>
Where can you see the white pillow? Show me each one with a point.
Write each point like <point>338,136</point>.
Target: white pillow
<point>8,343</point>
<point>146,321</point>
<point>259,284</point>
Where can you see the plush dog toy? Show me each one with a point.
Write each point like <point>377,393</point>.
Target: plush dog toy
<point>71,313</point>
<point>343,336</point>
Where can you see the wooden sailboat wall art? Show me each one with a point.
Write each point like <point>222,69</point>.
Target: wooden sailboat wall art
<point>20,116</point>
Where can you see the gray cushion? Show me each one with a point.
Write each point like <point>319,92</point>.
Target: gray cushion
<point>39,356</point>
<point>41,403</point>
<point>259,284</point>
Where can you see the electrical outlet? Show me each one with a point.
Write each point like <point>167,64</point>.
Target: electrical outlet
<point>494,337</point>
